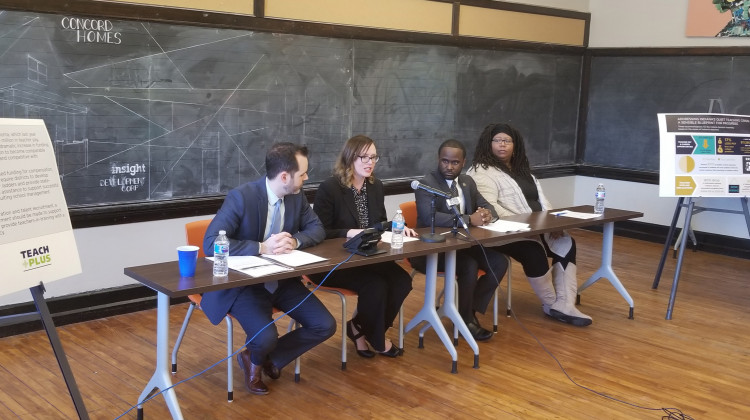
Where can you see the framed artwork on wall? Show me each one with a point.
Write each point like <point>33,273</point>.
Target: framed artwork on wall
<point>718,18</point>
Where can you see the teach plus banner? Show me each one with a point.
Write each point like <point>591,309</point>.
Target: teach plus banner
<point>704,155</point>
<point>36,237</point>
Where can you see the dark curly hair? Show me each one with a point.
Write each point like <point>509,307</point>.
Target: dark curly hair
<point>483,156</point>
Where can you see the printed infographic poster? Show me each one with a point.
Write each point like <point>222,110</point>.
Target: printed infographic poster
<point>704,155</point>
<point>36,237</point>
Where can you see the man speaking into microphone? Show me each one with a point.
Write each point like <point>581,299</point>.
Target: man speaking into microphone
<point>474,294</point>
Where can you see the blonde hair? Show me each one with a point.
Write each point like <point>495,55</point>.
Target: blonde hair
<point>344,167</point>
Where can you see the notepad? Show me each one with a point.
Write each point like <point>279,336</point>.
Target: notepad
<point>253,266</point>
<point>575,214</point>
<point>506,226</point>
<point>295,258</point>
<point>386,237</point>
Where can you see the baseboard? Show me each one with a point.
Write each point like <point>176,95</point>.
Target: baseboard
<point>707,242</point>
<point>120,300</point>
<point>79,307</point>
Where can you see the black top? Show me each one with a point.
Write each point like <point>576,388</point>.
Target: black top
<point>528,187</point>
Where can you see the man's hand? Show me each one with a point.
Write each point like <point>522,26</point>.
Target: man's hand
<point>279,243</point>
<point>480,217</point>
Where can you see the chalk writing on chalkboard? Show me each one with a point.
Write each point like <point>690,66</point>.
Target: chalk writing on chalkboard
<point>143,112</point>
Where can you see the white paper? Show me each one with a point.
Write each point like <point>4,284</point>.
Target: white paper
<point>253,266</point>
<point>506,226</point>
<point>242,262</point>
<point>576,214</point>
<point>386,237</point>
<point>264,270</point>
<point>295,258</point>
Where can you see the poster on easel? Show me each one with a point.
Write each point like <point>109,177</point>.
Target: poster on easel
<point>704,155</point>
<point>36,236</point>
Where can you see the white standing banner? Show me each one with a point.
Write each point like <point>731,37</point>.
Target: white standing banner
<point>704,155</point>
<point>36,237</point>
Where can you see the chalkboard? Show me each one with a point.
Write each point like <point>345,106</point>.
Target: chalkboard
<point>626,93</point>
<point>142,112</point>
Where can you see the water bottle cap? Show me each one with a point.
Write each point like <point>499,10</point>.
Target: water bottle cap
<point>398,211</point>
<point>222,232</point>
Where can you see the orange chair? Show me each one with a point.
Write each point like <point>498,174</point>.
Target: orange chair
<point>409,210</point>
<point>194,232</point>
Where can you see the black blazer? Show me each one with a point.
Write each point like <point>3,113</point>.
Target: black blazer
<point>443,215</point>
<point>334,205</point>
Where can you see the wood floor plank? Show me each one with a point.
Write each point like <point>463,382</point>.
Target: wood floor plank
<point>698,362</point>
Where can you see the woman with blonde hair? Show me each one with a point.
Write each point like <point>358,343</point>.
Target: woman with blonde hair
<point>346,203</point>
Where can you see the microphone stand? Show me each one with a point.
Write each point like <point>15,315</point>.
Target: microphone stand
<point>432,236</point>
<point>454,229</point>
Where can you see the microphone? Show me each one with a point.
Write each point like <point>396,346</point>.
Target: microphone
<point>453,203</point>
<point>416,185</point>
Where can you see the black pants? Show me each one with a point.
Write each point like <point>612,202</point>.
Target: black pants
<point>474,294</point>
<point>381,289</point>
<point>533,255</point>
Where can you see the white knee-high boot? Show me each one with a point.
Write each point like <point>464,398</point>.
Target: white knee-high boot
<point>566,288</point>
<point>544,290</point>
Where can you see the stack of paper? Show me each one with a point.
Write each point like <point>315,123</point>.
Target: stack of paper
<point>386,237</point>
<point>295,258</point>
<point>507,226</point>
<point>576,214</point>
<point>269,264</point>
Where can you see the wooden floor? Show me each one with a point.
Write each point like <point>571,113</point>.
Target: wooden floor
<point>617,368</point>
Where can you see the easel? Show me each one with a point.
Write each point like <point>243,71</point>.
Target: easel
<point>697,209</point>
<point>687,231</point>
<point>37,292</point>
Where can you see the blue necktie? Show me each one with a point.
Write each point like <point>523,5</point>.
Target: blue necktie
<point>275,220</point>
<point>275,228</point>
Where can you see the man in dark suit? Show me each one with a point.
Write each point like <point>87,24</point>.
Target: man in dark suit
<point>250,216</point>
<point>474,293</point>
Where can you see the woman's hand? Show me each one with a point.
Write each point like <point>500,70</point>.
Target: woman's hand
<point>410,232</point>
<point>352,233</point>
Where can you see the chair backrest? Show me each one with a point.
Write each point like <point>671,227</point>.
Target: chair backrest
<point>194,233</point>
<point>409,210</point>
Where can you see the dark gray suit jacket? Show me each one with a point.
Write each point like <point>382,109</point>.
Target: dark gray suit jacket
<point>443,214</point>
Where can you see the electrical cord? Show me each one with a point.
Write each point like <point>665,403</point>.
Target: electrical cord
<point>671,413</point>
<point>273,321</point>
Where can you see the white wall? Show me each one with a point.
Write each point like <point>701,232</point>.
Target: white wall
<point>646,23</point>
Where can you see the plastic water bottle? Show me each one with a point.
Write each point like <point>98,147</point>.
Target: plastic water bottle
<point>221,254</point>
<point>599,205</point>
<point>397,231</point>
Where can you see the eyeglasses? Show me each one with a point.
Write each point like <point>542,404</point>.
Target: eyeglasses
<point>368,159</point>
<point>502,141</point>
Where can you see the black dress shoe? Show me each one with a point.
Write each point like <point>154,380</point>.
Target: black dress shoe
<point>367,353</point>
<point>392,352</point>
<point>271,370</point>
<point>479,333</point>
